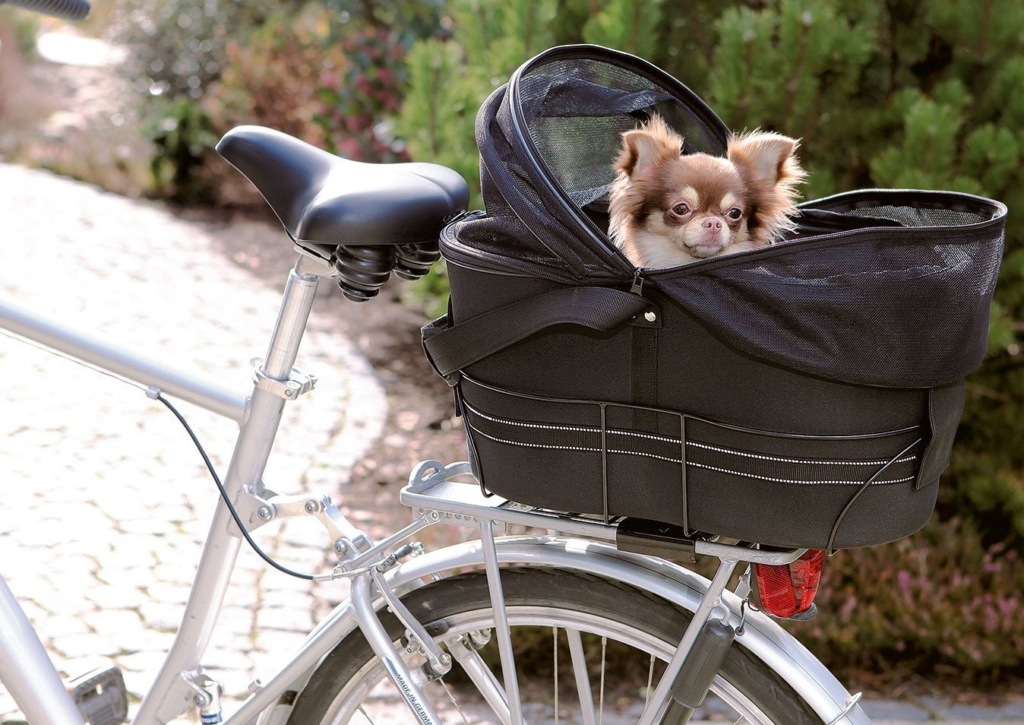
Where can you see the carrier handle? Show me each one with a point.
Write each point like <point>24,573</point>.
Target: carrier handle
<point>451,348</point>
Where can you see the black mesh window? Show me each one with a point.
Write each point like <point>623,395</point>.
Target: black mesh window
<point>893,306</point>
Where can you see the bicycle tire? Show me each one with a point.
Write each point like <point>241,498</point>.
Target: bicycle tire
<point>544,597</point>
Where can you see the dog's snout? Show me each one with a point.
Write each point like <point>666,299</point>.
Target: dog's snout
<point>712,225</point>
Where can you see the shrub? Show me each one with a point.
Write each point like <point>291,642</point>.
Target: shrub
<point>176,47</point>
<point>935,603</point>
<point>176,50</point>
<point>182,139</point>
<point>358,96</point>
<point>271,75</point>
<point>330,75</point>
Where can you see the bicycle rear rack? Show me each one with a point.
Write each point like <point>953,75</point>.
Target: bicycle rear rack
<point>438,493</point>
<point>451,494</point>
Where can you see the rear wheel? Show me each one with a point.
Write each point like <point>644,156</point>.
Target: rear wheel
<point>588,650</point>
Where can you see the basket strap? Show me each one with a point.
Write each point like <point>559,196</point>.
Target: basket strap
<point>451,348</point>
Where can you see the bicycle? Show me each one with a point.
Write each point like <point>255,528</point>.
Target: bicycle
<point>415,616</point>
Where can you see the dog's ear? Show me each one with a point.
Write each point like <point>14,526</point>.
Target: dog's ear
<point>647,147</point>
<point>766,158</point>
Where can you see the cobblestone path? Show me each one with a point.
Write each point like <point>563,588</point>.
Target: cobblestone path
<point>105,501</point>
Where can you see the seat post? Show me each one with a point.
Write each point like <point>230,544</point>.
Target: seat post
<point>293,315</point>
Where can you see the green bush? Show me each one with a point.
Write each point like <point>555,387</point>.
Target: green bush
<point>879,104</point>
<point>182,139</point>
<point>448,83</point>
<point>176,47</point>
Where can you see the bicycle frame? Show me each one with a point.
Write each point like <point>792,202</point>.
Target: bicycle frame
<point>258,415</point>
<point>37,688</point>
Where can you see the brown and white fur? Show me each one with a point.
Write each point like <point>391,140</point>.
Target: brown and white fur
<point>668,209</point>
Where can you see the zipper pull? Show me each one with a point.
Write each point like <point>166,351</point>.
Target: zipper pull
<point>638,282</point>
<point>458,217</point>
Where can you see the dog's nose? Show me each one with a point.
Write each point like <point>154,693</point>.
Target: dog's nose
<point>712,225</point>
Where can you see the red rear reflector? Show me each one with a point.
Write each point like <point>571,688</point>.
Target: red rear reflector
<point>787,591</point>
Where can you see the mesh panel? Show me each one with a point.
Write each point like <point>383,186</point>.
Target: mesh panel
<point>891,307</point>
<point>909,216</point>
<point>583,170</point>
<point>572,104</point>
<point>576,111</point>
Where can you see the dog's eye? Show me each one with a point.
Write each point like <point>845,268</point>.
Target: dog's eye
<point>681,209</point>
<point>734,213</point>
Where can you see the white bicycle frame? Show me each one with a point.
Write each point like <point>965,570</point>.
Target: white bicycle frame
<point>32,680</point>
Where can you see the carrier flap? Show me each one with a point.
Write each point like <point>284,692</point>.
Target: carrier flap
<point>451,348</point>
<point>945,407</point>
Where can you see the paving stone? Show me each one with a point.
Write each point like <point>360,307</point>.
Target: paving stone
<point>288,619</point>
<point>86,645</point>
<point>237,620</point>
<point>175,572</point>
<point>115,596</point>
<point>159,616</point>
<point>290,598</point>
<point>149,640</point>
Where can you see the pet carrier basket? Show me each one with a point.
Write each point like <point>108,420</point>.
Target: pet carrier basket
<point>804,394</point>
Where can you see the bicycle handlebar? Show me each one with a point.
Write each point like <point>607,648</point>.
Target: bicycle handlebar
<point>66,9</point>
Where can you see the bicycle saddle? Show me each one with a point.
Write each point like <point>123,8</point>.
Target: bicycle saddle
<point>325,201</point>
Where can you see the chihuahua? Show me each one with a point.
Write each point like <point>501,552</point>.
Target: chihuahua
<point>668,209</point>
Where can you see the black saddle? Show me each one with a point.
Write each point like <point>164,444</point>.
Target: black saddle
<point>323,199</point>
<point>345,211</point>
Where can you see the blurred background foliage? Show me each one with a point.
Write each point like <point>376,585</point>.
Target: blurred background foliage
<point>333,73</point>
<point>888,93</point>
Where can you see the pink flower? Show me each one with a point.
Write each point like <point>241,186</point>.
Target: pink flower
<point>903,581</point>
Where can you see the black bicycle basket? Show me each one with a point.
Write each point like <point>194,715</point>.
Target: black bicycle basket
<point>805,394</point>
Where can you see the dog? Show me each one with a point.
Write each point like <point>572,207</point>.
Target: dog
<point>668,209</point>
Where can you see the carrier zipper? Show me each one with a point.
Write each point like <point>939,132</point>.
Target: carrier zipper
<point>638,282</point>
<point>459,216</point>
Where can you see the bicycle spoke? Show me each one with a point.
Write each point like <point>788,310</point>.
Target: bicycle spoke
<point>366,715</point>
<point>501,625</point>
<point>451,696</point>
<point>604,653</point>
<point>579,668</point>
<point>650,683</point>
<point>554,658</point>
